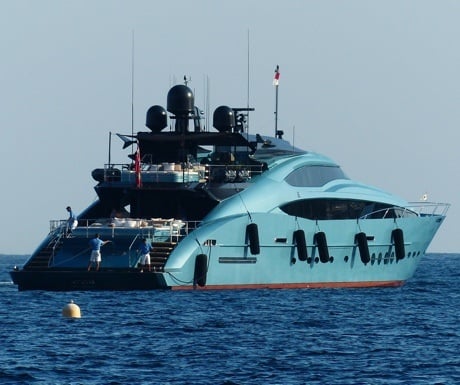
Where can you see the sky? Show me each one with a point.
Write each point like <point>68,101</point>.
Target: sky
<point>374,85</point>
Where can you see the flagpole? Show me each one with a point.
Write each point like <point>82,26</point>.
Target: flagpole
<point>137,167</point>
<point>276,110</point>
<point>276,84</point>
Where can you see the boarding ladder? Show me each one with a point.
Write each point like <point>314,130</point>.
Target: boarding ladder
<point>42,259</point>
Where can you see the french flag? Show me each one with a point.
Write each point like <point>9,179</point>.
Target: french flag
<point>276,78</point>
<point>137,167</point>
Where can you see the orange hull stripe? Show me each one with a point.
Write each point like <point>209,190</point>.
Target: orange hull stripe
<point>306,285</point>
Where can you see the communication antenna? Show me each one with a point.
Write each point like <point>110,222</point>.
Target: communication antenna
<point>110,148</point>
<point>247,105</point>
<point>206,101</point>
<point>132,89</point>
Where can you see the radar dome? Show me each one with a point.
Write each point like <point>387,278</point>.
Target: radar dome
<point>180,100</point>
<point>223,119</point>
<point>156,118</point>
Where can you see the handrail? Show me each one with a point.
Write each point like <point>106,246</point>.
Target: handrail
<point>176,227</point>
<point>413,208</point>
<point>55,242</point>
<point>56,224</point>
<point>429,208</point>
<point>129,249</point>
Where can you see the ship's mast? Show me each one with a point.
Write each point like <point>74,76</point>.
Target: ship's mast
<point>247,104</point>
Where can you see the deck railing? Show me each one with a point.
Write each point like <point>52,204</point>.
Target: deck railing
<point>181,173</point>
<point>176,228</point>
<point>412,209</point>
<point>429,208</point>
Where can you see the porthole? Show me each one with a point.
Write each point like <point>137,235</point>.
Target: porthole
<point>387,258</point>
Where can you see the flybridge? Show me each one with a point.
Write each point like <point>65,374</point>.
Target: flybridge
<point>181,143</point>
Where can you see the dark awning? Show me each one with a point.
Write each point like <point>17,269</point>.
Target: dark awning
<point>192,139</point>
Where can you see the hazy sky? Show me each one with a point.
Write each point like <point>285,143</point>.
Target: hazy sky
<point>374,85</point>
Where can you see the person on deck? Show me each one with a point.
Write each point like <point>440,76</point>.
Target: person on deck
<point>95,245</point>
<point>145,250</point>
<point>72,222</point>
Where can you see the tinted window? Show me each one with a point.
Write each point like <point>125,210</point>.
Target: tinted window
<point>322,209</point>
<point>314,176</point>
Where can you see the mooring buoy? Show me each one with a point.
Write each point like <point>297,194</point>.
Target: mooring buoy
<point>71,310</point>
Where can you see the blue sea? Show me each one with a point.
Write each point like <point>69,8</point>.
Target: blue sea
<point>406,335</point>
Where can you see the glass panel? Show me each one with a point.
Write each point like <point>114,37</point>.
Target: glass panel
<point>314,176</point>
<point>324,208</point>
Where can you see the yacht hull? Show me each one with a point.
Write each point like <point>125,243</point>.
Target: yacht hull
<point>74,280</point>
<point>230,264</point>
<point>229,261</point>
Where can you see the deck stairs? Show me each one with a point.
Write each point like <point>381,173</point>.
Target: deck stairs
<point>42,259</point>
<point>160,254</point>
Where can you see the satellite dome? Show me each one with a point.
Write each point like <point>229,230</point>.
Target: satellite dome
<point>180,100</point>
<point>223,119</point>
<point>156,118</point>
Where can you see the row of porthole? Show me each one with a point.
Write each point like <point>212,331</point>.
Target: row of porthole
<point>386,259</point>
<point>390,258</point>
<point>316,260</point>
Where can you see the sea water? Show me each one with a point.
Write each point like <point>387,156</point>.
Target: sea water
<point>406,335</point>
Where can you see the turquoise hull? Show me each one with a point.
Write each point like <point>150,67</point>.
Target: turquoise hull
<point>231,264</point>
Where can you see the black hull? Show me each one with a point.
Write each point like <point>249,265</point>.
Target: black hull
<point>74,280</point>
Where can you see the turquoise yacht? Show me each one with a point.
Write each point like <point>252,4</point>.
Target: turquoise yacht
<point>225,209</point>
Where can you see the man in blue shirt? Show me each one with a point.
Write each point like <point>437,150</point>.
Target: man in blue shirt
<point>95,245</point>
<point>145,254</point>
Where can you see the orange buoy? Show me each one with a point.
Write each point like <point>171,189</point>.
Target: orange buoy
<point>71,310</point>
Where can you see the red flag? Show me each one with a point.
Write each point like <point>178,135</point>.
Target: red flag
<point>276,78</point>
<point>137,167</point>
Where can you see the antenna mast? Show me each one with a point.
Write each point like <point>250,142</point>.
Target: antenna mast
<point>247,121</point>
<point>132,89</point>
